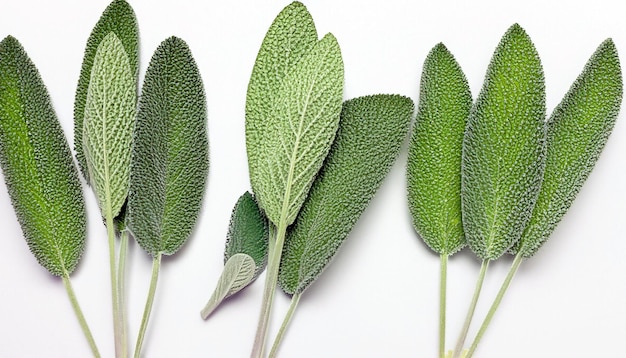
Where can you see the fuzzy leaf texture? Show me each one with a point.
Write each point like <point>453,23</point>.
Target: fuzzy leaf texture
<point>37,164</point>
<point>434,161</point>
<point>170,158</point>
<point>120,19</point>
<point>577,132</point>
<point>305,117</point>
<point>291,35</point>
<point>371,132</point>
<point>108,125</point>
<point>248,233</point>
<point>503,148</point>
<point>245,256</point>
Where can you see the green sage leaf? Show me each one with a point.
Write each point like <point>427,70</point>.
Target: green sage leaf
<point>305,117</point>
<point>434,161</point>
<point>291,35</point>
<point>37,164</point>
<point>108,124</point>
<point>120,19</point>
<point>577,131</point>
<point>371,132</point>
<point>503,148</point>
<point>170,159</point>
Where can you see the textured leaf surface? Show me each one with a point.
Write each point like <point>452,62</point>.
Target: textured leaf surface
<point>291,35</point>
<point>108,124</point>
<point>170,151</point>
<point>248,233</point>
<point>368,141</point>
<point>37,164</point>
<point>305,117</point>
<point>577,132</point>
<point>120,19</point>
<point>239,271</point>
<point>434,161</point>
<point>503,148</point>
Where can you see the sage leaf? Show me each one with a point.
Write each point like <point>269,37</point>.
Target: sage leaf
<point>371,131</point>
<point>120,19</point>
<point>434,160</point>
<point>305,117</point>
<point>577,132</point>
<point>291,35</point>
<point>503,148</point>
<point>37,164</point>
<point>108,124</point>
<point>170,158</point>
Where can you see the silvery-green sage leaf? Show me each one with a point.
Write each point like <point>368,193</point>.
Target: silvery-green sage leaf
<point>434,161</point>
<point>170,157</point>
<point>245,256</point>
<point>291,35</point>
<point>371,131</point>
<point>577,131</point>
<point>120,19</point>
<point>108,124</point>
<point>503,148</point>
<point>304,120</point>
<point>37,165</point>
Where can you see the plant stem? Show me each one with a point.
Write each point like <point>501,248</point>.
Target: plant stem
<point>121,285</point>
<point>117,324</point>
<point>496,303</point>
<point>283,328</point>
<point>470,312</point>
<point>443,258</point>
<point>156,264</point>
<point>79,314</point>
<point>271,278</point>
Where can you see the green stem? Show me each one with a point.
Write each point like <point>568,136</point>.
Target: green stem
<point>121,285</point>
<point>283,328</point>
<point>442,304</point>
<point>271,278</point>
<point>117,324</point>
<point>470,312</point>
<point>156,264</point>
<point>496,302</point>
<point>79,315</point>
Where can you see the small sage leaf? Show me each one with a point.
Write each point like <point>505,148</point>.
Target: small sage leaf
<point>238,273</point>
<point>120,19</point>
<point>434,161</point>
<point>170,158</point>
<point>305,117</point>
<point>577,131</point>
<point>503,148</point>
<point>371,131</point>
<point>291,35</point>
<point>37,164</point>
<point>108,124</point>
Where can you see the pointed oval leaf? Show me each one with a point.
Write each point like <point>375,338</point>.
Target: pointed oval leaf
<point>371,132</point>
<point>37,165</point>
<point>577,131</point>
<point>238,273</point>
<point>305,117</point>
<point>248,233</point>
<point>291,35</point>
<point>170,158</point>
<point>503,148</point>
<point>108,124</point>
<point>434,161</point>
<point>120,19</point>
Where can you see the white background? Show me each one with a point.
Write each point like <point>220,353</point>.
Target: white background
<point>379,298</point>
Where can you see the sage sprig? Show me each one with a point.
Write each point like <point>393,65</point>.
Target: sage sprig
<point>170,158</point>
<point>39,172</point>
<point>290,128</point>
